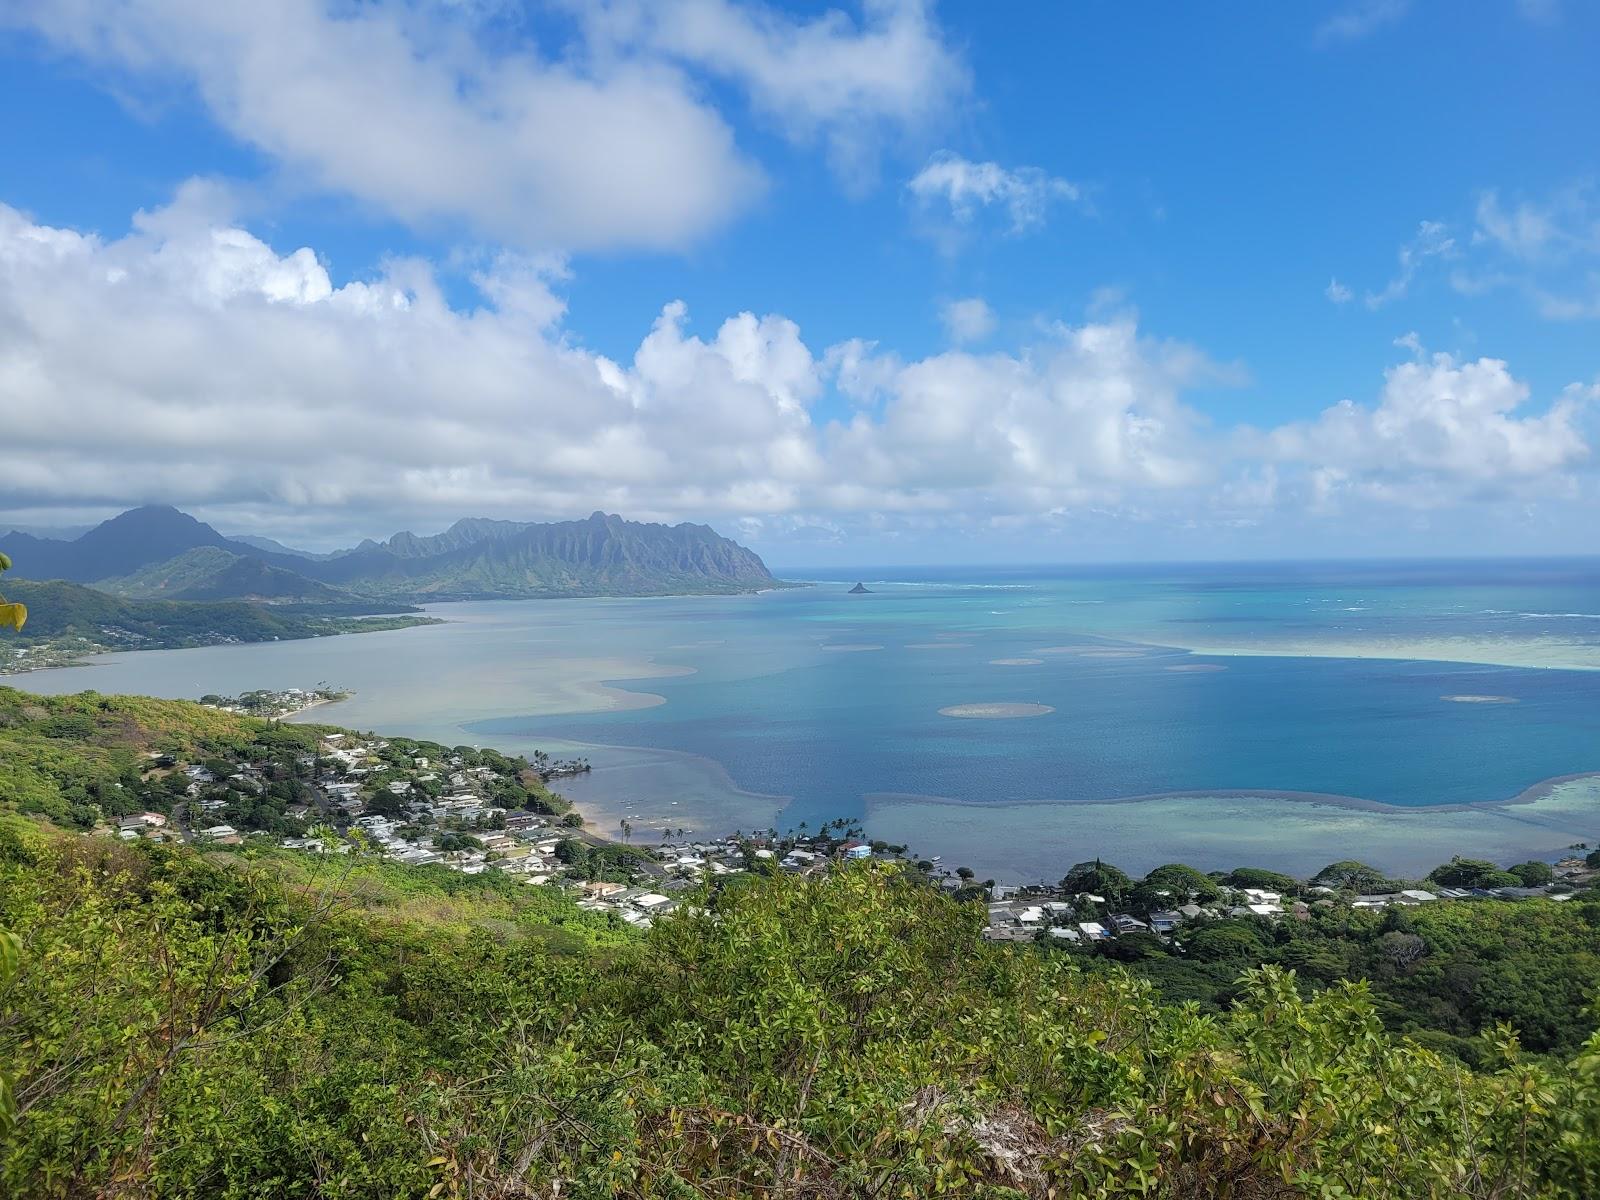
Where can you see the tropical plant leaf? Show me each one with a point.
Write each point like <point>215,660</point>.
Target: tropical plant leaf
<point>14,615</point>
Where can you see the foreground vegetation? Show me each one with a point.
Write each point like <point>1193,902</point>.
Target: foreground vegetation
<point>257,1022</point>
<point>232,1025</point>
<point>1445,973</point>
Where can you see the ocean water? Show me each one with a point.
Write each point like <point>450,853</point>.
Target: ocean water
<point>1284,715</point>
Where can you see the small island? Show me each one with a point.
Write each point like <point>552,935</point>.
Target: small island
<point>860,589</point>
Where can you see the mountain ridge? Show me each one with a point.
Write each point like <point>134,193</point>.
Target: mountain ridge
<point>161,551</point>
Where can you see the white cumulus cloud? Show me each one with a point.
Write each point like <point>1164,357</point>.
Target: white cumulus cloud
<point>191,362</point>
<point>1440,429</point>
<point>853,83</point>
<point>611,141</point>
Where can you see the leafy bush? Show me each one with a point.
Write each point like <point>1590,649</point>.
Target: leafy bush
<point>269,1030</point>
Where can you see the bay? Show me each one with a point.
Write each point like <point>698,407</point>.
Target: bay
<point>1280,715</point>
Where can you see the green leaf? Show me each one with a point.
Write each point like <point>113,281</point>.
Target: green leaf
<point>10,954</point>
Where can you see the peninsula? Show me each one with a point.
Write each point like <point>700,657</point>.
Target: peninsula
<point>68,622</point>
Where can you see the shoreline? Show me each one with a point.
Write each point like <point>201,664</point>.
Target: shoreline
<point>652,758</point>
<point>295,712</point>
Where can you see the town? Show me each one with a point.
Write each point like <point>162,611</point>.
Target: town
<point>474,810</point>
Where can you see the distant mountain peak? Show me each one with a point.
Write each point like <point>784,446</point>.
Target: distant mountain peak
<point>148,515</point>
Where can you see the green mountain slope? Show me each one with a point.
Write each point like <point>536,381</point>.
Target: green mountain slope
<point>603,555</point>
<point>212,573</point>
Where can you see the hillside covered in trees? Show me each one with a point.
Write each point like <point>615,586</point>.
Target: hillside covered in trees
<point>261,1022</point>
<point>67,620</point>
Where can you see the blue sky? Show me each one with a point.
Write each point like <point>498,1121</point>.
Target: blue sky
<point>1026,282</point>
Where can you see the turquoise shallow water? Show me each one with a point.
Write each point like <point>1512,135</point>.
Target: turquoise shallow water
<point>1321,690</point>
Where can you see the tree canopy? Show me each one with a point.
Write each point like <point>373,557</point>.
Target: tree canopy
<point>1474,873</point>
<point>1348,874</point>
<point>1098,878</point>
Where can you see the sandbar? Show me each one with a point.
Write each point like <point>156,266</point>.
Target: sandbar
<point>1095,651</point>
<point>995,711</point>
<point>1015,662</point>
<point>1471,699</point>
<point>1546,653</point>
<point>1294,832</point>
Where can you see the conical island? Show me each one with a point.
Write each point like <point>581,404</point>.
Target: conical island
<point>860,589</point>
